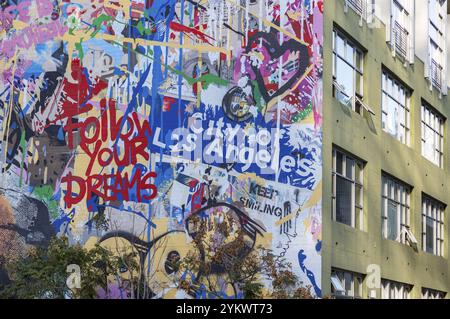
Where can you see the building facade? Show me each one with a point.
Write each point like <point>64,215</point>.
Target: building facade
<point>317,129</point>
<point>137,124</point>
<point>385,149</point>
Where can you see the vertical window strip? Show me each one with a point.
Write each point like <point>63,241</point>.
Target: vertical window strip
<point>395,209</point>
<point>432,136</point>
<point>433,216</point>
<point>347,70</point>
<point>348,170</point>
<point>436,43</point>
<point>394,290</point>
<point>400,26</point>
<point>395,108</point>
<point>432,294</point>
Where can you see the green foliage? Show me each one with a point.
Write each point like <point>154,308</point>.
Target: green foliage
<point>43,273</point>
<point>230,267</point>
<point>243,272</point>
<point>252,290</point>
<point>285,283</point>
<point>101,222</point>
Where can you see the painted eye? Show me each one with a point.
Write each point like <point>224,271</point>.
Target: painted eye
<point>123,269</point>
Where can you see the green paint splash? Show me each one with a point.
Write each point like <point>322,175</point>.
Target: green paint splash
<point>260,103</point>
<point>143,30</point>
<point>207,79</point>
<point>98,22</point>
<point>301,115</point>
<point>45,194</point>
<point>79,48</point>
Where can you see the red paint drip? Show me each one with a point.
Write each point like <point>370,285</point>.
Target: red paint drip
<point>182,28</point>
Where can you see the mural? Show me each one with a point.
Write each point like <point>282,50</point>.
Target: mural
<point>146,114</point>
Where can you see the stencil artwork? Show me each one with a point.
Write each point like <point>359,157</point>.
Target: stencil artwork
<point>133,110</point>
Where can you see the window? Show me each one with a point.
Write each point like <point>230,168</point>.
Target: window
<point>432,226</point>
<point>432,294</point>
<point>364,8</point>
<point>395,209</point>
<point>400,28</point>
<point>432,135</point>
<point>347,71</point>
<point>346,284</point>
<point>394,290</point>
<point>359,6</point>
<point>436,68</point>
<point>436,45</point>
<point>395,108</point>
<point>347,190</point>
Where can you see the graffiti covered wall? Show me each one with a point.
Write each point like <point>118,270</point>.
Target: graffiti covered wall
<point>127,118</point>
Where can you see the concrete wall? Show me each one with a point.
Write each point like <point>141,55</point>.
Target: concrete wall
<point>351,249</point>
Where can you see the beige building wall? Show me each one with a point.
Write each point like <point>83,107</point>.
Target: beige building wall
<point>351,249</point>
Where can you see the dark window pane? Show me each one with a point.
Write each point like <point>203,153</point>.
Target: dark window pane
<point>358,287</point>
<point>339,163</point>
<point>343,201</point>
<point>348,284</point>
<point>359,60</point>
<point>392,229</point>
<point>429,235</point>
<point>349,168</point>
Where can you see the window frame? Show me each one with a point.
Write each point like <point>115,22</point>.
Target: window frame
<point>436,43</point>
<point>356,282</point>
<point>387,78</point>
<point>402,201</point>
<point>434,210</point>
<point>397,289</point>
<point>427,111</point>
<point>358,54</point>
<point>354,6</point>
<point>404,22</point>
<point>435,294</point>
<point>357,184</point>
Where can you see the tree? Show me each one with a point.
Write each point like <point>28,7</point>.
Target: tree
<point>43,272</point>
<point>232,266</point>
<point>221,264</point>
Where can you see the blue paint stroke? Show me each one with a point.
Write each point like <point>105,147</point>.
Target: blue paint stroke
<point>301,260</point>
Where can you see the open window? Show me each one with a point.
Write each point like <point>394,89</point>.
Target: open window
<point>337,288</point>
<point>348,76</point>
<point>346,284</point>
<point>409,238</point>
<point>363,8</point>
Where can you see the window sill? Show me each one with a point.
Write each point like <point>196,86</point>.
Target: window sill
<point>400,244</point>
<point>433,255</point>
<point>348,227</point>
<point>433,163</point>
<point>396,139</point>
<point>396,242</point>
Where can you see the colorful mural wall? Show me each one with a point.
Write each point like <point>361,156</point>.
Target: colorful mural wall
<point>145,113</point>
